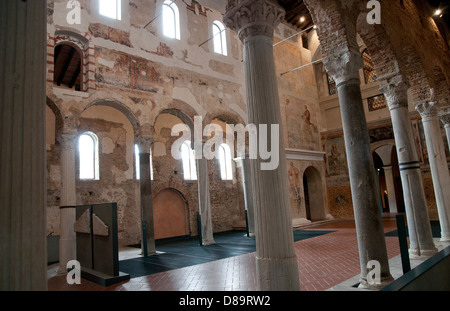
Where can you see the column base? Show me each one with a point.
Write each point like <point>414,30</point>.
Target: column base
<point>277,274</point>
<point>204,243</point>
<point>384,281</point>
<point>421,253</point>
<point>445,237</point>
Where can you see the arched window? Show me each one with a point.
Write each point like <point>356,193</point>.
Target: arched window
<point>226,171</point>
<point>171,20</point>
<point>111,8</point>
<point>88,156</point>
<point>219,38</point>
<point>369,70</point>
<point>138,166</point>
<point>188,157</point>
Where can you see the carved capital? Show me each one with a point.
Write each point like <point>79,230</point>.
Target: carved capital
<point>427,110</point>
<point>253,17</point>
<point>344,65</point>
<point>396,93</point>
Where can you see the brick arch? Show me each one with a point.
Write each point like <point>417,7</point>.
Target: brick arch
<point>384,56</point>
<point>441,86</point>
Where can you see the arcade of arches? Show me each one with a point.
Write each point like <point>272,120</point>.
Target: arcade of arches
<point>363,113</point>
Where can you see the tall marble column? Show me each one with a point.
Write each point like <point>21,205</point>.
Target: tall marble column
<point>147,221</point>
<point>276,261</point>
<point>23,253</point>
<point>344,67</point>
<point>445,119</point>
<point>438,164</point>
<point>68,200</point>
<point>419,229</point>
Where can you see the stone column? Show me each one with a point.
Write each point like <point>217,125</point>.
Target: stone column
<point>244,163</point>
<point>204,201</point>
<point>438,164</point>
<point>68,200</point>
<point>276,262</point>
<point>343,65</point>
<point>419,228</point>
<point>23,253</point>
<point>147,222</point>
<point>445,119</point>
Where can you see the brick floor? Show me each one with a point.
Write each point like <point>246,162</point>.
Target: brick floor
<point>324,261</point>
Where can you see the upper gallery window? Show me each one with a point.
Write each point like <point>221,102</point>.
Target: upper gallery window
<point>219,38</point>
<point>171,20</point>
<point>88,154</point>
<point>68,70</point>
<point>111,8</point>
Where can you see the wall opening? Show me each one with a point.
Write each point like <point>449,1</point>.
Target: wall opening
<point>170,214</point>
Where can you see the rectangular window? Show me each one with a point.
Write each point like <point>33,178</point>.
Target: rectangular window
<point>111,8</point>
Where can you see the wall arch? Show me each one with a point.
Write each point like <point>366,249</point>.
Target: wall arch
<point>171,214</point>
<point>313,192</point>
<point>120,107</point>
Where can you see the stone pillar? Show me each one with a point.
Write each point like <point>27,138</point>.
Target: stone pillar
<point>244,163</point>
<point>146,198</point>
<point>23,253</point>
<point>344,67</point>
<point>68,200</point>
<point>438,164</point>
<point>445,119</point>
<point>276,262</point>
<point>419,228</point>
<point>204,201</point>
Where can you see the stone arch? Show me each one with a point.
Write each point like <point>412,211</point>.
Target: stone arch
<point>313,193</point>
<point>171,214</point>
<point>386,164</point>
<point>120,107</point>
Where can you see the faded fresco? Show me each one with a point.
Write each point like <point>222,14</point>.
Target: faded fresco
<point>301,122</point>
<point>336,158</point>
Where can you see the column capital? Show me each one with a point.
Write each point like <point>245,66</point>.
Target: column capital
<point>343,65</point>
<point>444,115</point>
<point>144,143</point>
<point>396,93</point>
<point>427,110</point>
<point>67,140</point>
<point>253,17</point>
